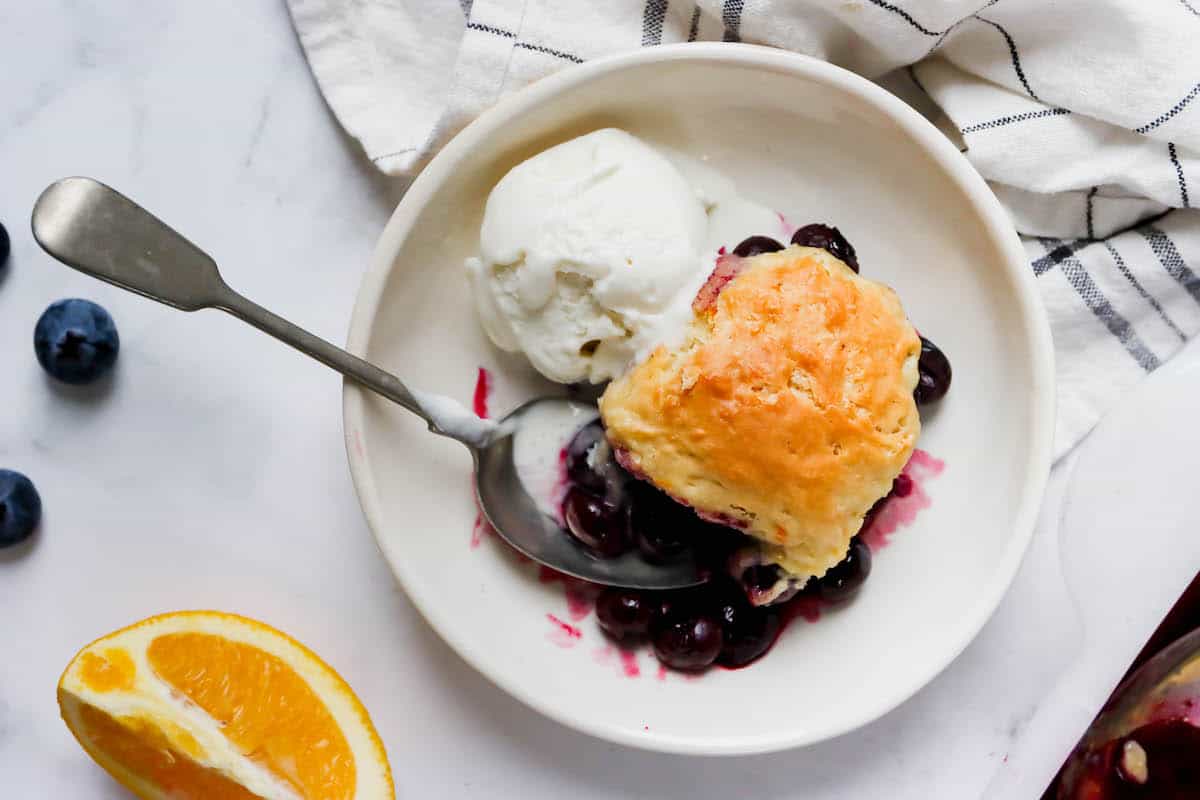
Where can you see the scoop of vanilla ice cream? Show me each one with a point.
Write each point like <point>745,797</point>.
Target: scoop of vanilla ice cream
<point>584,249</point>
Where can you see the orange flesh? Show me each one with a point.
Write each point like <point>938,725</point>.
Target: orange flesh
<point>108,672</point>
<point>265,709</point>
<point>138,746</point>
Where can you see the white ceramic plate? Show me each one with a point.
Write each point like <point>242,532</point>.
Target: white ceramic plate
<point>818,144</point>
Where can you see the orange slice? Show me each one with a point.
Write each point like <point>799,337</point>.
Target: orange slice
<point>200,705</point>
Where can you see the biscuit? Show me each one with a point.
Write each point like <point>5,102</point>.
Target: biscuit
<point>787,411</point>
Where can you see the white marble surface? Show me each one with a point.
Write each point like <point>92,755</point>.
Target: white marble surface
<point>210,471</point>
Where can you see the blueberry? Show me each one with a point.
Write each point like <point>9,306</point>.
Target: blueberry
<point>76,341</point>
<point>934,369</point>
<point>761,577</point>
<point>829,239</point>
<point>5,245</point>
<point>746,631</point>
<point>714,544</point>
<point>755,245</point>
<point>587,448</point>
<point>624,613</point>
<point>845,578</point>
<point>661,527</point>
<point>599,525</point>
<point>20,508</point>
<point>687,641</point>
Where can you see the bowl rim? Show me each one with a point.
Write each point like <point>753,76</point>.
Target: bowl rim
<point>928,138</point>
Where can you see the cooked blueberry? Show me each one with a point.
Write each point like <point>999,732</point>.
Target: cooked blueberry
<point>624,613</point>
<point>761,577</point>
<point>20,508</point>
<point>846,577</point>
<point>600,526</point>
<point>935,374</point>
<point>586,450</point>
<point>694,601</point>
<point>76,341</point>
<point>902,486</point>
<point>829,239</point>
<point>747,631</point>
<point>661,527</point>
<point>663,605</point>
<point>715,544</point>
<point>5,245</point>
<point>755,245</point>
<point>687,641</point>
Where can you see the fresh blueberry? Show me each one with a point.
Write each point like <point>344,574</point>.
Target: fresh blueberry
<point>20,508</point>
<point>747,631</point>
<point>76,341</point>
<point>687,641</point>
<point>845,578</point>
<point>5,245</point>
<point>624,613</point>
<point>600,526</point>
<point>829,239</point>
<point>755,245</point>
<point>935,374</point>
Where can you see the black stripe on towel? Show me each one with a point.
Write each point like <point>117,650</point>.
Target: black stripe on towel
<point>478,26</point>
<point>1012,52</point>
<point>906,17</point>
<point>1180,106</point>
<point>1136,284</point>
<point>1190,7</point>
<point>1077,275</point>
<point>1183,192</point>
<point>652,22</point>
<point>731,16</point>
<point>942,37</point>
<point>1009,120</point>
<point>1056,256</point>
<point>694,28</point>
<point>550,51</point>
<point>537,48</point>
<point>1170,259</point>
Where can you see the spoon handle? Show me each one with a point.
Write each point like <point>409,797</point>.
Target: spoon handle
<point>358,370</point>
<point>100,232</point>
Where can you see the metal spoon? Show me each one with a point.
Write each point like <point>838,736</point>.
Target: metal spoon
<point>102,233</point>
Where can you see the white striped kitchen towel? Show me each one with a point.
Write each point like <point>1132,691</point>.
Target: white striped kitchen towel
<point>1080,113</point>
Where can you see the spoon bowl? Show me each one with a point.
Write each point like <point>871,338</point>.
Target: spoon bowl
<point>511,510</point>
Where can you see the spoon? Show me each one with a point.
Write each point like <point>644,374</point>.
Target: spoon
<point>102,233</point>
<point>1147,733</point>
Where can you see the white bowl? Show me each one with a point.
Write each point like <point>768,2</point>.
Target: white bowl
<point>819,144</point>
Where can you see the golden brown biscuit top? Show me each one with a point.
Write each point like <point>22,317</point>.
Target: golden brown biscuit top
<point>788,411</point>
